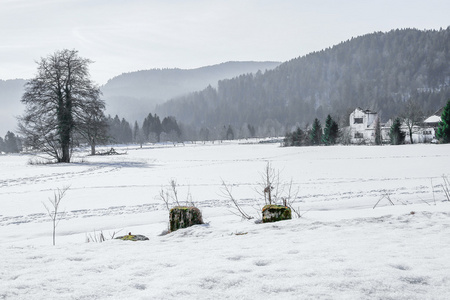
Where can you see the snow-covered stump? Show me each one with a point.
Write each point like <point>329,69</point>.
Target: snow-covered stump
<point>275,213</point>
<point>184,216</point>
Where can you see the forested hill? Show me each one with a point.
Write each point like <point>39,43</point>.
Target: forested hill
<point>135,94</point>
<point>10,94</point>
<point>377,71</point>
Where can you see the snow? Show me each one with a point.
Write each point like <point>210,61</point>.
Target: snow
<point>433,119</point>
<point>341,247</point>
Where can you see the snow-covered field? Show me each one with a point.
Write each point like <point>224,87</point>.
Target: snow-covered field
<point>341,248</point>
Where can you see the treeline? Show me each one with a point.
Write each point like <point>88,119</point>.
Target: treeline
<point>152,130</point>
<point>315,135</point>
<point>378,71</point>
<point>10,144</point>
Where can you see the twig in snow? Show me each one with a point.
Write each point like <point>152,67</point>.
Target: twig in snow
<point>446,187</point>
<point>387,196</point>
<point>226,192</point>
<point>52,210</point>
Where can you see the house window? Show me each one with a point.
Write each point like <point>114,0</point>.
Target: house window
<point>358,135</point>
<point>358,120</point>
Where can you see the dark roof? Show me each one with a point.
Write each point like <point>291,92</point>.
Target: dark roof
<point>439,112</point>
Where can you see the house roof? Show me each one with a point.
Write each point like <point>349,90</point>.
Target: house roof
<point>367,111</point>
<point>436,117</point>
<point>439,111</point>
<point>433,119</point>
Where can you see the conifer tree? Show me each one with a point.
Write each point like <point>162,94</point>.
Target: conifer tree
<point>443,130</point>
<point>330,132</point>
<point>397,136</point>
<point>11,143</point>
<point>378,140</point>
<point>315,136</point>
<point>2,145</point>
<point>334,132</point>
<point>326,131</point>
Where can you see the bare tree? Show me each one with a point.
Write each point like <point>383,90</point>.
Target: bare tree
<point>270,186</point>
<point>93,126</point>
<point>412,116</point>
<point>53,210</point>
<point>226,192</point>
<point>169,195</point>
<point>446,187</point>
<point>59,101</point>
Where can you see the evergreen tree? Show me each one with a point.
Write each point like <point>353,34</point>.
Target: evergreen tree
<point>119,131</point>
<point>443,130</point>
<point>125,132</point>
<point>334,132</point>
<point>2,145</point>
<point>251,130</point>
<point>315,136</point>
<point>11,143</point>
<point>378,140</point>
<point>295,138</point>
<point>330,132</point>
<point>169,125</point>
<point>135,131</point>
<point>396,134</point>
<point>230,133</point>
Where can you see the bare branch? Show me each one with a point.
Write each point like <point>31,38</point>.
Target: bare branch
<point>53,209</point>
<point>226,192</point>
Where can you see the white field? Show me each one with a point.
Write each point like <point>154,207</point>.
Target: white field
<point>341,248</point>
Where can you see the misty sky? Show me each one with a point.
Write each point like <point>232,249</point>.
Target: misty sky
<point>124,36</point>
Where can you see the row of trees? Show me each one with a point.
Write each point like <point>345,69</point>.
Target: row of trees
<point>331,134</point>
<point>413,116</point>
<point>314,135</point>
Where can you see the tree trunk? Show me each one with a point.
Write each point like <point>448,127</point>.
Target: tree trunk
<point>92,148</point>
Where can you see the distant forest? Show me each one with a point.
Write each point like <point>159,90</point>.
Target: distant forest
<point>377,71</point>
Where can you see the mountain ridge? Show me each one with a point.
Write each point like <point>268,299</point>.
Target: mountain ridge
<point>378,71</point>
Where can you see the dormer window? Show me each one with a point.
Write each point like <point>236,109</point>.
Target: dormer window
<point>358,120</point>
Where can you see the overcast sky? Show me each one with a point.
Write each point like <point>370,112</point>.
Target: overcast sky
<point>124,36</point>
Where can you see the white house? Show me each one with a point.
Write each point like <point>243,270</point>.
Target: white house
<point>362,126</point>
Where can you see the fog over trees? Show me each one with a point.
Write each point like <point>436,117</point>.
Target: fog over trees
<point>142,90</point>
<point>378,71</point>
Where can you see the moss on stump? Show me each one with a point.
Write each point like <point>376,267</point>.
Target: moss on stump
<point>275,213</point>
<point>132,237</point>
<point>184,216</point>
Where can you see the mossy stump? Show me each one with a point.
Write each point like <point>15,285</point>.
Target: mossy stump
<point>275,213</point>
<point>184,216</point>
<point>132,237</point>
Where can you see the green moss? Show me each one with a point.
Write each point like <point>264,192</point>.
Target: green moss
<point>132,237</point>
<point>275,213</point>
<point>184,216</point>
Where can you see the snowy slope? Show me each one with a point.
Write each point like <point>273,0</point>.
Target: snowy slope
<point>341,248</point>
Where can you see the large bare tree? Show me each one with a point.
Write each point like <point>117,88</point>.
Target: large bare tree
<point>412,116</point>
<point>60,102</point>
